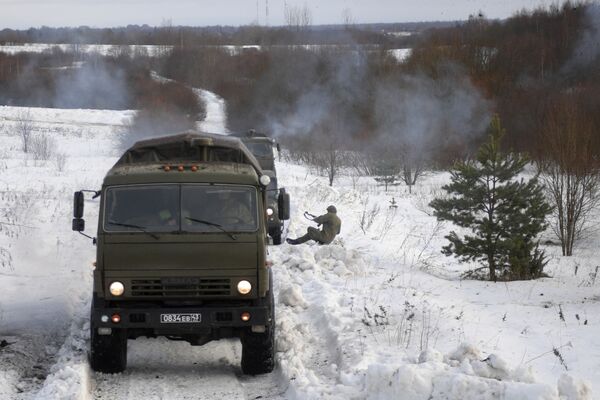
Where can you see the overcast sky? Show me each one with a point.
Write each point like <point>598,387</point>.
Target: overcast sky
<point>107,13</point>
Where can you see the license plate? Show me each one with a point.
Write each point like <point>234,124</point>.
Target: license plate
<point>180,318</point>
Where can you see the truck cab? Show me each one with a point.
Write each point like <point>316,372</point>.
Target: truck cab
<point>181,250</point>
<point>263,148</point>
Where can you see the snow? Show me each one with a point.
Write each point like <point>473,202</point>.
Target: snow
<point>378,314</point>
<point>101,49</point>
<point>215,121</point>
<point>386,315</point>
<point>400,54</point>
<point>161,50</point>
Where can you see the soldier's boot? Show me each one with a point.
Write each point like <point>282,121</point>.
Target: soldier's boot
<point>299,240</point>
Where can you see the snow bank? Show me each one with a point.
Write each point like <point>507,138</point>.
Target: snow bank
<point>461,376</point>
<point>8,383</point>
<point>292,296</point>
<point>70,376</point>
<point>570,388</point>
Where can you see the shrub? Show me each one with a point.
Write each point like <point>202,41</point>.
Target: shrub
<point>504,214</point>
<point>42,147</point>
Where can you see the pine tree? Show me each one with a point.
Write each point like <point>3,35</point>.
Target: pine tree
<point>504,214</point>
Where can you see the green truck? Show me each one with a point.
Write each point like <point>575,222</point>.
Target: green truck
<point>181,250</point>
<point>263,148</point>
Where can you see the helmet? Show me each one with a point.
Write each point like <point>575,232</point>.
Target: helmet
<point>332,209</point>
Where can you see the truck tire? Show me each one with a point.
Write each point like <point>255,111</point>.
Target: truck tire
<point>108,353</point>
<point>276,238</point>
<point>258,349</point>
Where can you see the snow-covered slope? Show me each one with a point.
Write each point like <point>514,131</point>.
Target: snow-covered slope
<point>379,314</point>
<point>382,314</point>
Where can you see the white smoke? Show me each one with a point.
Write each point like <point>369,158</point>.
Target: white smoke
<point>587,50</point>
<point>417,114</point>
<point>323,106</point>
<point>92,86</point>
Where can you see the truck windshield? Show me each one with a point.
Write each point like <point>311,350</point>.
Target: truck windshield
<point>272,191</point>
<point>260,150</point>
<point>187,208</point>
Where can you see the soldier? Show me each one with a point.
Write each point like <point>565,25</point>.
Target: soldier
<point>234,210</point>
<point>229,209</point>
<point>331,227</point>
<point>166,214</point>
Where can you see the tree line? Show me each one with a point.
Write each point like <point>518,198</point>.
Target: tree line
<point>297,30</point>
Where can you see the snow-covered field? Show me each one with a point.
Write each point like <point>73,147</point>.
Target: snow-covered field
<point>379,314</point>
<point>102,49</point>
<point>156,51</point>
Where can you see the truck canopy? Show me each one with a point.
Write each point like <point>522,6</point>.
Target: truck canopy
<point>189,147</point>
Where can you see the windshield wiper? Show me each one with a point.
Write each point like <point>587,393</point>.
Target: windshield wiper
<point>201,221</point>
<point>140,228</point>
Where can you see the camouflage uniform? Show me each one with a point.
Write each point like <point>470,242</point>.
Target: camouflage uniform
<point>331,227</point>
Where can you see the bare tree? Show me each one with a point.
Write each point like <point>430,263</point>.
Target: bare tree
<point>347,18</point>
<point>395,158</point>
<point>305,17</point>
<point>42,147</point>
<point>297,17</point>
<point>333,158</point>
<point>413,166</point>
<point>328,161</point>
<point>383,165</point>
<point>570,171</point>
<point>24,129</point>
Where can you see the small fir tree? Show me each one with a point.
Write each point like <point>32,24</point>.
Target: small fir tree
<point>504,214</point>
<point>385,171</point>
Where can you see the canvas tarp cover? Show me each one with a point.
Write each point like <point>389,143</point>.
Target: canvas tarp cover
<point>189,147</point>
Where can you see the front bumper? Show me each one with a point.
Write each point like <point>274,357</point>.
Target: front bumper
<point>150,318</point>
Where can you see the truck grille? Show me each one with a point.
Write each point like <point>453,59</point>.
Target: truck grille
<point>180,287</point>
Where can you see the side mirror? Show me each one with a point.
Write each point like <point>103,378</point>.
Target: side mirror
<point>78,224</point>
<point>78,205</point>
<point>283,205</point>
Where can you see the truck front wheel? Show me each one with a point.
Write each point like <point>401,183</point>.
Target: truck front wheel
<point>276,238</point>
<point>108,353</point>
<point>258,349</point>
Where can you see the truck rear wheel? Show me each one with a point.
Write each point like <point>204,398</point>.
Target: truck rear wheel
<point>108,353</point>
<point>258,349</point>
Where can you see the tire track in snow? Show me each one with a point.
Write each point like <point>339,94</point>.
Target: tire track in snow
<point>215,120</point>
<point>163,369</point>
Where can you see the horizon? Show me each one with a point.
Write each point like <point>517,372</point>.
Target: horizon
<point>104,14</point>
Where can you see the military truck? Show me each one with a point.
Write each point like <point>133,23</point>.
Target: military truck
<point>181,250</point>
<point>262,147</point>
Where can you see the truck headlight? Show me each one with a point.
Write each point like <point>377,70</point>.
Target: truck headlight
<point>270,211</point>
<point>244,287</point>
<point>116,288</point>
<point>264,180</point>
